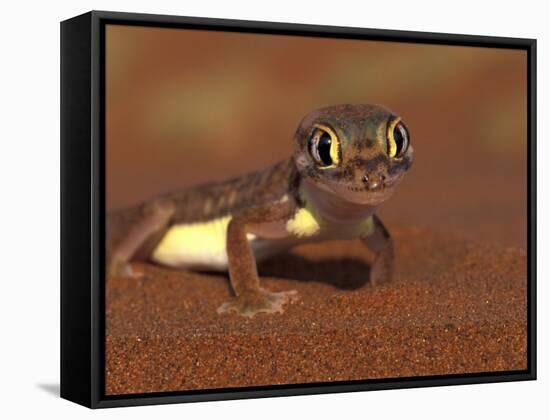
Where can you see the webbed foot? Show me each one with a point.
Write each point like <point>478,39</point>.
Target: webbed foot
<point>249,304</point>
<point>119,268</point>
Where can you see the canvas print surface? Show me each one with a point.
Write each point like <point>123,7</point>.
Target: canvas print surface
<point>268,222</point>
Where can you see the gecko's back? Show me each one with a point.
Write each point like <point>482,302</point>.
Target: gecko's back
<point>208,205</point>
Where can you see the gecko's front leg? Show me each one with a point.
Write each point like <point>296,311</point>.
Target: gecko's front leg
<point>380,242</point>
<point>250,298</point>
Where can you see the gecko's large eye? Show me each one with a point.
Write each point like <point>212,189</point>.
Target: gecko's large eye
<point>398,139</point>
<point>324,146</point>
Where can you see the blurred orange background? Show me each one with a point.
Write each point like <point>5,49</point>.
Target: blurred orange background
<point>186,106</point>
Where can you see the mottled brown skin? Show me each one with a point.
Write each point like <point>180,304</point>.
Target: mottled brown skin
<point>364,176</point>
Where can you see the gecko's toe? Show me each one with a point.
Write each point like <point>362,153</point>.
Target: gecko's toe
<point>125,270</point>
<point>132,273</point>
<point>262,301</point>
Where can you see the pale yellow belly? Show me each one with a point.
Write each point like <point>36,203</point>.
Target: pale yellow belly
<point>202,246</point>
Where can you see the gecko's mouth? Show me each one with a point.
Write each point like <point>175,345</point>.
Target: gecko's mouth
<point>363,194</point>
<point>368,189</point>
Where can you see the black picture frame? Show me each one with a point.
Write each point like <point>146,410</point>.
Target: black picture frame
<point>83,203</point>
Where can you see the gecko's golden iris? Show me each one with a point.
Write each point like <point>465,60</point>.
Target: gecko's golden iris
<point>324,146</point>
<point>398,139</point>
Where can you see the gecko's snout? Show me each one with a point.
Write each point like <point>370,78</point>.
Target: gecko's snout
<point>374,183</point>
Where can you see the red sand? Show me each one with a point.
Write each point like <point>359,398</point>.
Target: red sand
<point>455,306</point>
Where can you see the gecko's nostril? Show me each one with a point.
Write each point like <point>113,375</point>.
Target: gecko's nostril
<point>373,182</point>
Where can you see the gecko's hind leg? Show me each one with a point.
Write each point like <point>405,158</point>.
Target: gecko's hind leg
<point>154,219</point>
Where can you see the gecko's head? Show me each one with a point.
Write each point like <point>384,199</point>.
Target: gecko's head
<point>357,152</point>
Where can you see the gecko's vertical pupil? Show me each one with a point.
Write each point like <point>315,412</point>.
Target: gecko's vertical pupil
<point>398,137</point>
<point>401,139</point>
<point>323,148</point>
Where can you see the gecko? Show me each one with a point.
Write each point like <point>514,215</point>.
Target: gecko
<point>347,160</point>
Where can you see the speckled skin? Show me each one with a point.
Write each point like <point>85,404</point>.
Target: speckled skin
<point>309,197</point>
